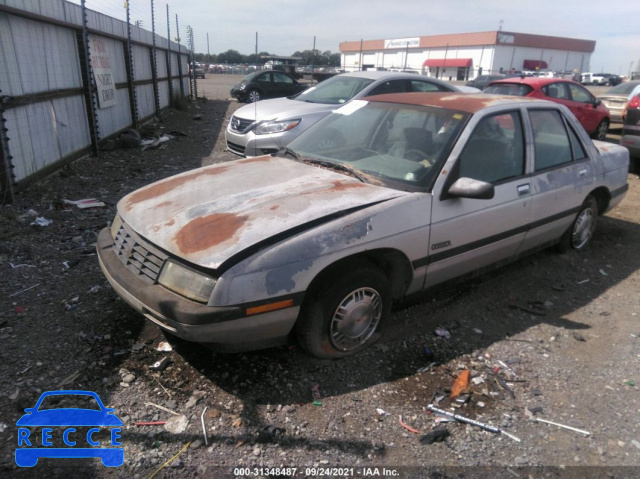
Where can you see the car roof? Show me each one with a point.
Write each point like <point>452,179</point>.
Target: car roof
<point>377,75</point>
<point>466,102</point>
<point>532,81</point>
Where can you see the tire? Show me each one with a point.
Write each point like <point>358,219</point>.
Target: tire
<point>345,312</point>
<point>253,96</point>
<point>601,130</point>
<point>579,235</point>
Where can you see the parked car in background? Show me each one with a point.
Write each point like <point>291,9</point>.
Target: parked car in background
<point>266,84</point>
<point>481,82</point>
<point>199,72</point>
<point>631,131</point>
<point>272,124</point>
<point>590,112</point>
<point>417,189</point>
<point>616,99</point>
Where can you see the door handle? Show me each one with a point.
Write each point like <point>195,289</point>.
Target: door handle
<point>582,172</point>
<point>524,189</point>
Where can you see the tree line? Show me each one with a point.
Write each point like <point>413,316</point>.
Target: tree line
<point>309,57</point>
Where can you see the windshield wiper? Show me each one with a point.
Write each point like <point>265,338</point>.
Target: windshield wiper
<point>335,166</point>
<point>289,152</point>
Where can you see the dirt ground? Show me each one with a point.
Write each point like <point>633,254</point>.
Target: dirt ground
<point>554,337</point>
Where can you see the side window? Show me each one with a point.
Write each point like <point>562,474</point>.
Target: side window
<point>556,90</point>
<point>266,78</point>
<point>551,143</point>
<point>392,86</point>
<point>580,94</point>
<point>280,78</point>
<point>417,85</point>
<point>576,146</point>
<point>495,150</point>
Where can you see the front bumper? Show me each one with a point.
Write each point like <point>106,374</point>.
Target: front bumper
<point>222,328</point>
<point>249,144</point>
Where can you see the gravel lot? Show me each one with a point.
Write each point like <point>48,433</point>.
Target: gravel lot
<point>555,337</point>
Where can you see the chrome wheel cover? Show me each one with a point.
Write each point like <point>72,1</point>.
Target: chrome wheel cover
<point>583,228</point>
<point>603,128</point>
<point>355,319</point>
<point>254,96</point>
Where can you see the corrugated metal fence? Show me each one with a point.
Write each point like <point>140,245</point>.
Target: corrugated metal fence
<point>70,77</point>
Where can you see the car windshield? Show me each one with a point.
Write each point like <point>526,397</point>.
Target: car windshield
<point>335,90</point>
<point>81,401</point>
<point>400,146</point>
<point>623,88</point>
<point>250,76</point>
<point>513,89</point>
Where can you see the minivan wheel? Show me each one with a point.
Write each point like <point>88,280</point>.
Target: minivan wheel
<point>344,313</point>
<point>579,235</point>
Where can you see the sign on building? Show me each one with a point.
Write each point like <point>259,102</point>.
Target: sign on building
<point>101,63</point>
<point>402,42</point>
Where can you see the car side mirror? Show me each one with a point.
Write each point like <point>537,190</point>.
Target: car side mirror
<point>470,188</point>
<point>28,410</point>
<point>596,103</point>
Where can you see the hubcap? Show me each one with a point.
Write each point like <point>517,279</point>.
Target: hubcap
<point>355,319</point>
<point>602,132</point>
<point>254,96</point>
<point>583,228</point>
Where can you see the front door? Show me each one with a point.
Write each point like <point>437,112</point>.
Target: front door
<point>469,234</point>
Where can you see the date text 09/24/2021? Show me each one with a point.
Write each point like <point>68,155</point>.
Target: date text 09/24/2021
<point>316,471</point>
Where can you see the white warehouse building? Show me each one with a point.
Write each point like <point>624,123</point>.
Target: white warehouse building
<point>464,56</point>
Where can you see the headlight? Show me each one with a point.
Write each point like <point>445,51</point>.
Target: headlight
<point>115,226</point>
<point>276,126</point>
<point>186,282</point>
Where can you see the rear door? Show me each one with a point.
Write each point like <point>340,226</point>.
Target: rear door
<point>469,234</point>
<point>563,175</point>
<point>582,102</point>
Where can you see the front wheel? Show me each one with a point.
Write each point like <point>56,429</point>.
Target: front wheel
<point>253,96</point>
<point>345,312</point>
<point>578,236</point>
<point>601,131</point>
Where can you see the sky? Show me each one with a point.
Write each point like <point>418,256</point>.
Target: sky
<point>287,26</point>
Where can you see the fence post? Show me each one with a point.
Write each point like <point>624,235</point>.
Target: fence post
<point>128,59</point>
<point>179,58</point>
<point>7,177</point>
<point>169,58</point>
<point>154,62</point>
<point>89,84</point>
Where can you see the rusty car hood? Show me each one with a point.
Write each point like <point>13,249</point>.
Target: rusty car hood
<point>208,215</point>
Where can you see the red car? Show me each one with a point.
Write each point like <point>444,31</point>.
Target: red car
<point>590,112</point>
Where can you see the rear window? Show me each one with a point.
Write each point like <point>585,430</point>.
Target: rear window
<point>513,89</point>
<point>623,88</point>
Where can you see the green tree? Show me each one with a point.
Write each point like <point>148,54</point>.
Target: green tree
<point>230,56</point>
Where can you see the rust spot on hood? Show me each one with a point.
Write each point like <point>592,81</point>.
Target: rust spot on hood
<point>169,184</point>
<point>257,159</point>
<point>208,231</point>
<point>344,185</point>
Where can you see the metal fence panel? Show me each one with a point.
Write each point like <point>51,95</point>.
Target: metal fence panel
<point>44,132</point>
<point>146,100</point>
<point>141,63</point>
<point>117,117</point>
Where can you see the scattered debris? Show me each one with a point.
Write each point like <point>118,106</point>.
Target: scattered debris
<point>533,311</point>
<point>21,266</point>
<point>164,346</point>
<point>442,332</point>
<point>583,281</point>
<point>460,384</point>
<point>603,272</point>
<point>160,365</point>
<point>317,397</point>
<point>578,337</point>
<point>162,408</point>
<point>170,460</point>
<point>408,428</point>
<point>150,423</point>
<point>86,203</point>
<point>177,424</point>
<point>269,433</point>
<point>381,412</point>
<point>24,290</point>
<point>467,420</point>
<point>581,431</point>
<point>204,428</point>
<point>41,221</point>
<point>69,379</point>
<point>437,435</point>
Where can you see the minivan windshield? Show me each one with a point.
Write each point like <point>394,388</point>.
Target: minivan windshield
<point>335,91</point>
<point>402,146</point>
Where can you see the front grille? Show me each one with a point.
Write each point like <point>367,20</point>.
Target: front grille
<point>235,148</point>
<point>240,124</point>
<point>137,255</point>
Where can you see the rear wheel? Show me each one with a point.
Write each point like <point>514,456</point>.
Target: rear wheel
<point>601,130</point>
<point>578,236</point>
<point>344,313</point>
